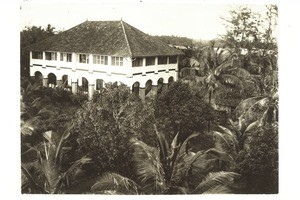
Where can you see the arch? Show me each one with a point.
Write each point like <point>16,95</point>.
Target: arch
<point>65,80</point>
<point>85,85</point>
<point>160,83</point>
<point>38,77</point>
<point>99,84</point>
<point>170,80</point>
<point>148,86</point>
<point>136,88</point>
<point>51,79</point>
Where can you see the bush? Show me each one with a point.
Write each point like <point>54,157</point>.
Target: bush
<point>179,110</point>
<point>259,164</point>
<point>105,125</point>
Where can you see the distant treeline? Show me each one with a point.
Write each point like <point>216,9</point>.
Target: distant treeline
<point>189,42</point>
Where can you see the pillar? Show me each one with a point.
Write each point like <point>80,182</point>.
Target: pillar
<point>164,87</point>
<point>91,91</point>
<point>45,82</point>
<point>153,90</point>
<point>59,83</point>
<point>142,93</point>
<point>74,87</point>
<point>80,81</point>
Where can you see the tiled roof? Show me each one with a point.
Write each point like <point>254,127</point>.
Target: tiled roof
<point>106,38</point>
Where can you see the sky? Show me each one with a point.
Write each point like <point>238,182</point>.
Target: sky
<point>192,19</point>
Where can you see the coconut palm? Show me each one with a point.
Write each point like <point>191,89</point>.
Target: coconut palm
<point>46,173</point>
<point>171,169</point>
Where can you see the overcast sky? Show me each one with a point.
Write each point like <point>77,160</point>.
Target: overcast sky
<point>183,18</point>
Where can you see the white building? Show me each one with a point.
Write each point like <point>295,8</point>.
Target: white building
<point>96,52</point>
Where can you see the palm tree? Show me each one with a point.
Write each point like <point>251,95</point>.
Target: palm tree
<point>46,173</point>
<point>171,169</point>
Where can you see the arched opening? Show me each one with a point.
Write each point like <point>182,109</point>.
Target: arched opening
<point>170,80</point>
<point>148,87</point>
<point>85,85</point>
<point>51,80</point>
<point>65,80</point>
<point>99,84</point>
<point>38,77</point>
<point>160,83</point>
<point>136,88</point>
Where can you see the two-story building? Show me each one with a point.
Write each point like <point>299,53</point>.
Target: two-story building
<point>96,52</point>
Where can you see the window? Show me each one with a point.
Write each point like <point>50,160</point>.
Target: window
<point>61,56</point>
<point>117,61</point>
<point>83,58</point>
<point>103,60</point>
<point>69,57</point>
<point>162,60</point>
<point>96,59</point>
<point>150,61</point>
<point>137,62</point>
<point>50,55</point>
<point>172,59</point>
<point>37,55</point>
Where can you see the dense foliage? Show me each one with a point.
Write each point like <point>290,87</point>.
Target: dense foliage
<point>213,131</point>
<point>259,164</point>
<point>179,110</point>
<point>104,126</point>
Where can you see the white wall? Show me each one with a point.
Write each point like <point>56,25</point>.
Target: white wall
<point>108,73</point>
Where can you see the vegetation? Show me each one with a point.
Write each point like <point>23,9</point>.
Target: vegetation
<point>213,131</point>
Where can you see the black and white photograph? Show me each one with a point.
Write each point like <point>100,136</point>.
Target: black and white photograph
<point>148,98</point>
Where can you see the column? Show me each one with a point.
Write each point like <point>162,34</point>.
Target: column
<point>153,90</point>
<point>156,65</point>
<point>164,87</point>
<point>30,58</point>
<point>80,81</point>
<point>74,87</point>
<point>142,93</point>
<point>59,83</point>
<point>144,67</point>
<point>45,82</point>
<point>91,91</point>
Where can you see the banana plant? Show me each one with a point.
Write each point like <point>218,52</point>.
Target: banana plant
<point>251,113</point>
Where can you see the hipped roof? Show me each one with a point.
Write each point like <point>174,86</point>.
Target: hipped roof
<point>115,38</point>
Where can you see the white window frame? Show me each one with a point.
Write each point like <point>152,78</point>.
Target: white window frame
<point>117,61</point>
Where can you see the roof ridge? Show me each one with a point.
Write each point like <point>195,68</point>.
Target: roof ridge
<point>125,35</point>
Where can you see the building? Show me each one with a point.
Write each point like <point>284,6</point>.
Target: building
<point>96,52</point>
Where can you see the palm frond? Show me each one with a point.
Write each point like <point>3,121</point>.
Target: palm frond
<point>149,169</point>
<point>219,189</point>
<point>216,179</point>
<point>182,162</point>
<point>231,80</point>
<point>226,64</point>
<point>229,138</point>
<point>163,144</point>
<point>246,104</point>
<point>50,170</point>
<point>77,165</point>
<point>58,151</point>
<point>32,182</point>
<point>115,182</point>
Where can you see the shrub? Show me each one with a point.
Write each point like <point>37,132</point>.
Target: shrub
<point>179,110</point>
<point>105,125</point>
<point>259,165</point>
